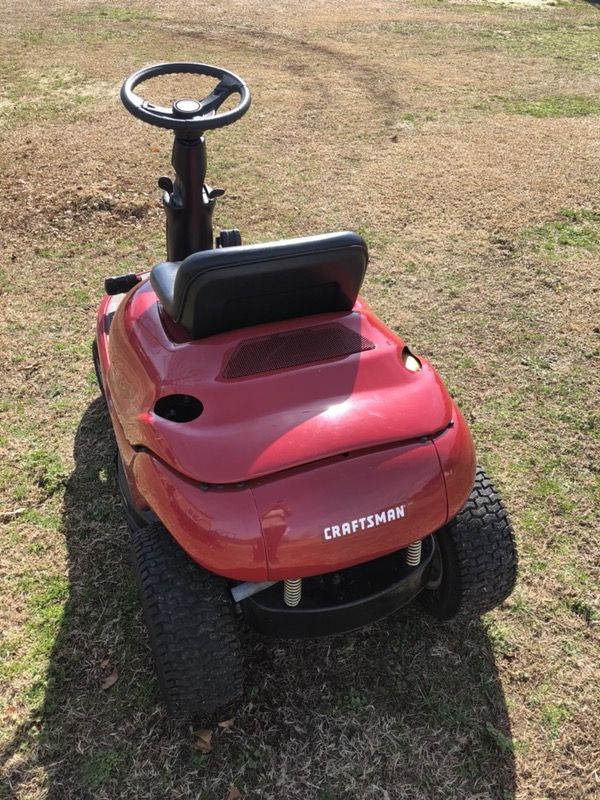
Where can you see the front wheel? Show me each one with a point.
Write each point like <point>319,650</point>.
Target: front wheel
<point>476,560</point>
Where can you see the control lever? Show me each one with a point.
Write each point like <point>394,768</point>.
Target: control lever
<point>166,184</point>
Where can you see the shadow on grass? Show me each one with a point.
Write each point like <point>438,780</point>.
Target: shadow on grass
<point>406,707</point>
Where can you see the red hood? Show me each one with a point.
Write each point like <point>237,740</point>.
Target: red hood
<point>265,422</point>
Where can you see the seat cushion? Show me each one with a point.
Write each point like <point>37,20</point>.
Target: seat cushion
<point>233,287</point>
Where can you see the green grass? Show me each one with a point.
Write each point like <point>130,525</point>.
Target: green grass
<point>124,14</point>
<point>102,766</point>
<point>501,638</point>
<point>568,37</point>
<point>585,609</point>
<point>552,718</point>
<point>574,229</point>
<point>499,740</point>
<point>46,469</point>
<point>26,656</point>
<point>556,106</point>
<point>569,41</point>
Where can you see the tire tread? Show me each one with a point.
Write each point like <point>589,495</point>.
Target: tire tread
<point>191,625</point>
<point>480,550</point>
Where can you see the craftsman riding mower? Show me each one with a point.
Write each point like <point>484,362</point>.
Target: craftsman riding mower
<point>282,455</point>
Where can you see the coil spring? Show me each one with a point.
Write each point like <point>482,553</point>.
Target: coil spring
<point>413,554</point>
<point>292,591</point>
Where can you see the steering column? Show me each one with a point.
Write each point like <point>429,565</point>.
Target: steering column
<point>187,200</point>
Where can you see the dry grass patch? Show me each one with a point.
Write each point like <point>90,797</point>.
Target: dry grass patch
<point>460,139</point>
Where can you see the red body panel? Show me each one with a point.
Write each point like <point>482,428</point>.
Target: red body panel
<point>288,455</point>
<point>325,518</point>
<point>284,526</point>
<point>267,422</point>
<point>218,528</point>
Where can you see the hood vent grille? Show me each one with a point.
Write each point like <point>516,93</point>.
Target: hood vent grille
<point>293,349</point>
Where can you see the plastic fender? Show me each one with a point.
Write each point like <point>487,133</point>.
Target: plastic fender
<point>457,459</point>
<point>217,528</point>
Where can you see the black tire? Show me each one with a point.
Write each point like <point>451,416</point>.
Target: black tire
<point>476,561</point>
<point>229,238</point>
<point>190,619</point>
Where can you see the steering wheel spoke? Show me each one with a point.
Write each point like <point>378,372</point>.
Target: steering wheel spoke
<point>154,109</point>
<point>213,101</point>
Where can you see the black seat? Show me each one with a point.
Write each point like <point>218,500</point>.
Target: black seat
<point>220,290</point>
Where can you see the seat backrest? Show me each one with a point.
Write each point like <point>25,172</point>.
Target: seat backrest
<point>233,287</point>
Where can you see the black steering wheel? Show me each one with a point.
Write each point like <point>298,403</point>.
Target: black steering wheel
<point>187,115</point>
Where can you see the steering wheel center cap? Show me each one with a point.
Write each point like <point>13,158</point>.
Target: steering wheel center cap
<point>186,107</point>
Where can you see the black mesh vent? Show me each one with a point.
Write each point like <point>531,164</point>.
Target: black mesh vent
<point>292,349</point>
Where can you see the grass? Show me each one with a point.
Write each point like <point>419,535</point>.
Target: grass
<point>573,230</point>
<point>499,740</point>
<point>556,106</point>
<point>567,37</point>
<point>123,14</point>
<point>459,140</point>
<point>47,94</point>
<point>101,768</point>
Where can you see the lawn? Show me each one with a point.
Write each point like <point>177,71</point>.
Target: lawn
<point>461,139</point>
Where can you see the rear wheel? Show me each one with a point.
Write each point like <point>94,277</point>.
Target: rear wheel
<point>190,619</point>
<point>476,561</point>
